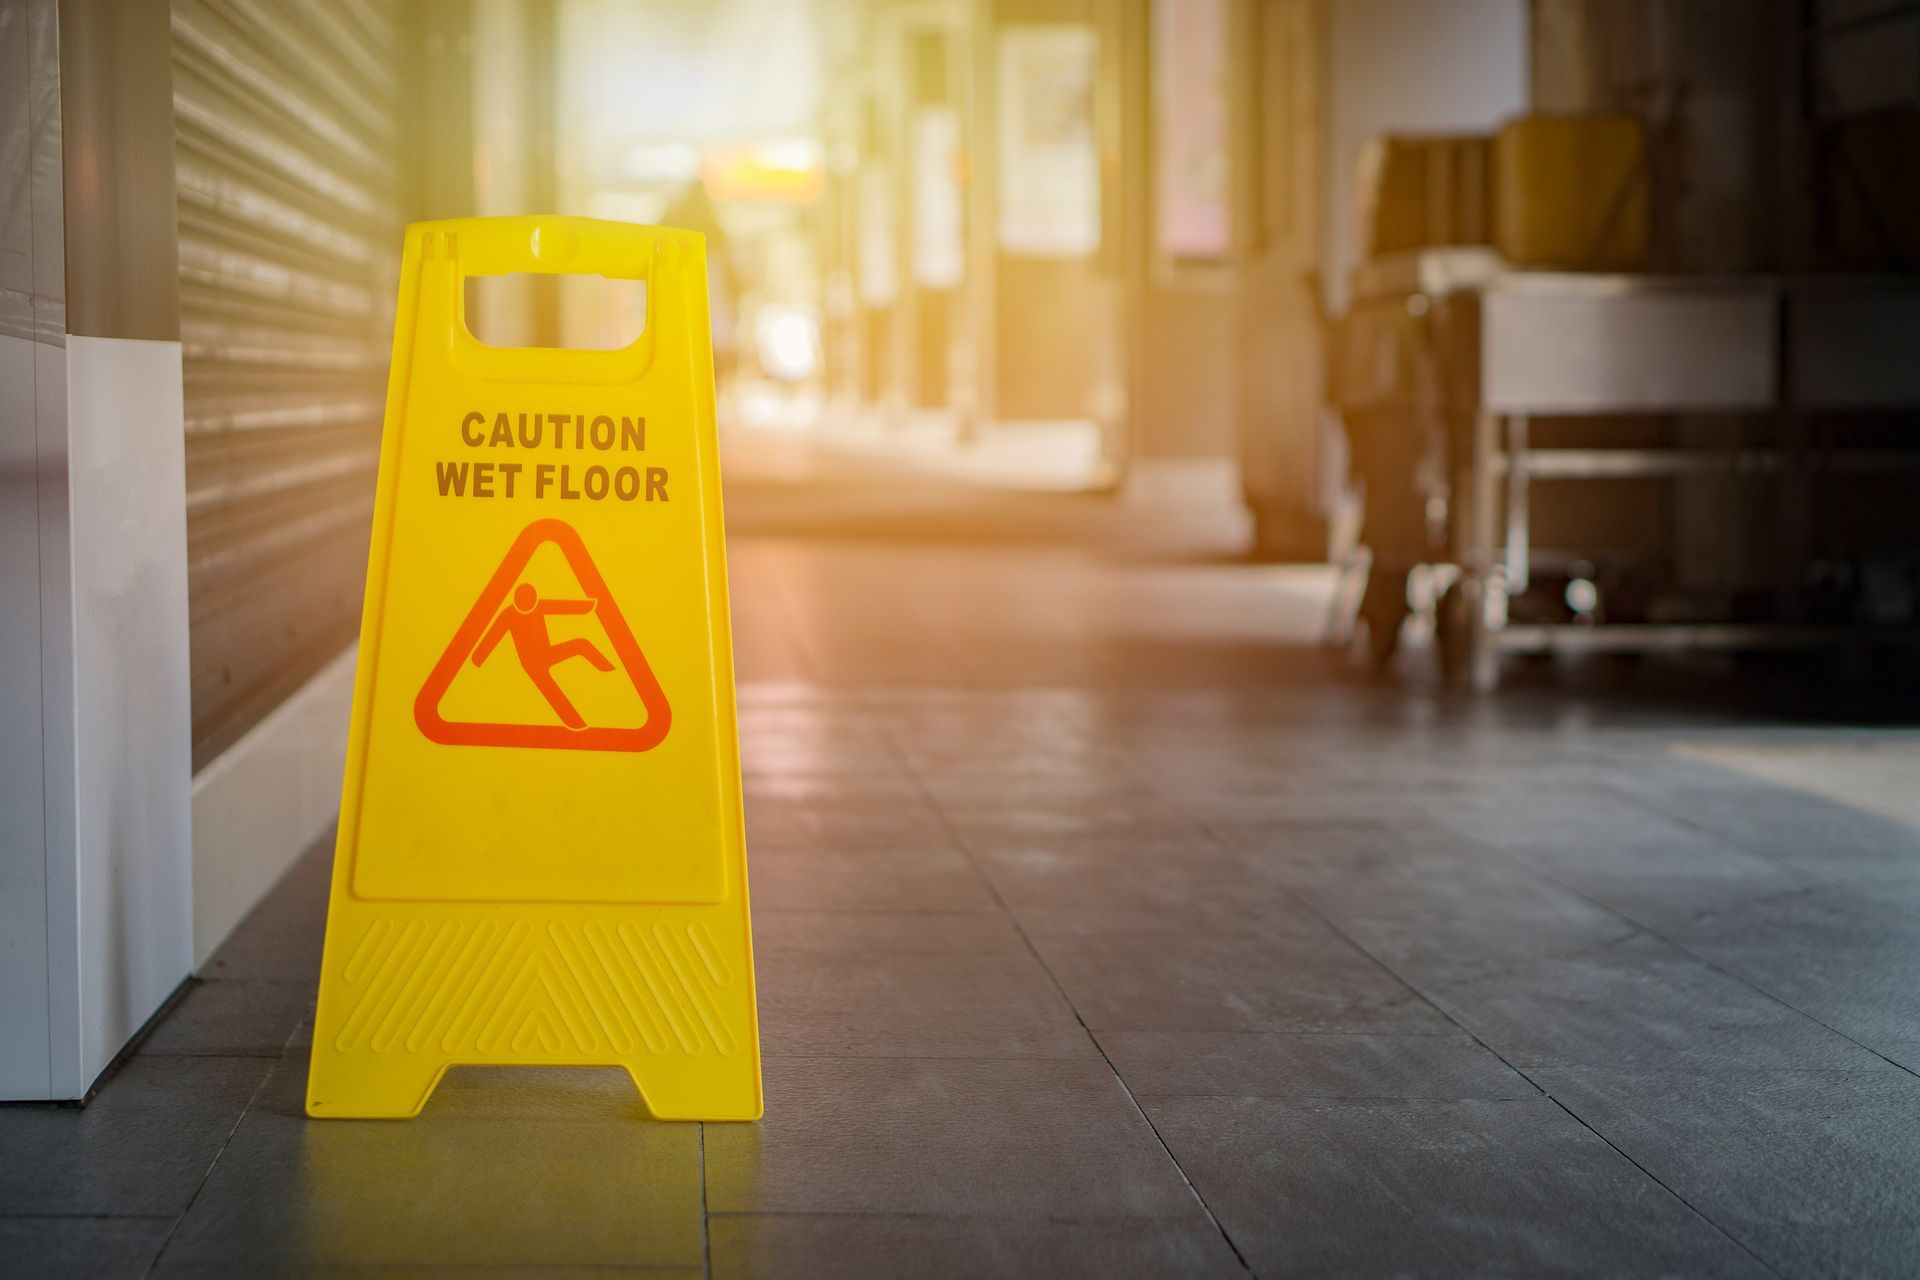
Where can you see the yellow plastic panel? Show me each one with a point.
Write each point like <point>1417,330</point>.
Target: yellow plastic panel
<point>540,856</point>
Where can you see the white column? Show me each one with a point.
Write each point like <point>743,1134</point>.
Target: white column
<point>95,764</point>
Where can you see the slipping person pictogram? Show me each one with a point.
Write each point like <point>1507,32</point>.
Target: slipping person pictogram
<point>526,621</point>
<point>509,607</point>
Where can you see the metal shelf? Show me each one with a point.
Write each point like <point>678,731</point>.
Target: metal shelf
<point>1680,637</point>
<point>1556,345</point>
<point>1630,464</point>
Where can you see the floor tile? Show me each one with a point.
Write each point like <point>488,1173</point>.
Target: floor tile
<point>891,878</point>
<point>1638,1002</point>
<point>1798,1250</point>
<point>1675,897</point>
<point>915,1004</point>
<point>830,1247</point>
<point>1601,819</point>
<point>1625,856</point>
<point>1071,815</point>
<point>1392,871</point>
<point>1848,957</point>
<point>855,821</point>
<point>1138,884</point>
<point>141,1146</point>
<point>1023,1138</point>
<point>1487,942</point>
<point>812,781</point>
<point>884,931</point>
<point>1262,814</point>
<point>1432,1189</point>
<point>1298,977</point>
<point>1834,842</point>
<point>1275,1065</point>
<point>234,1018</point>
<point>80,1248</point>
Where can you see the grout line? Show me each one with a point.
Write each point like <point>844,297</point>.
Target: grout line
<point>935,1057</point>
<point>935,1215</point>
<point>967,851</point>
<point>1357,1099</point>
<point>260,1088</point>
<point>8,1215</point>
<point>267,1054</point>
<point>706,1217</point>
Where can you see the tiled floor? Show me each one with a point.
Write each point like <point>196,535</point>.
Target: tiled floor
<point>1103,932</point>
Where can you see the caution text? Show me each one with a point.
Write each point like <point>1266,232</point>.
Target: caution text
<point>519,476</point>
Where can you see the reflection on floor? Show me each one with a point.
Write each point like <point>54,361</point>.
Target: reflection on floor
<point>1102,934</point>
<point>1057,455</point>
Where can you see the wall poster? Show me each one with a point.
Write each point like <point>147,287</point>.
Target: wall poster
<point>1049,198</point>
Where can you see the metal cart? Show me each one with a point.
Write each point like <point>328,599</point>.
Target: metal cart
<point>1481,352</point>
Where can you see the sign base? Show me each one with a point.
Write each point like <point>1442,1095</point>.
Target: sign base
<point>415,988</point>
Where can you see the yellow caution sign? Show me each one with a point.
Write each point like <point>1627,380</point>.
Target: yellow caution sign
<point>541,856</point>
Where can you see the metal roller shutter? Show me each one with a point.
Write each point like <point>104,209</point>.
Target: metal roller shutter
<point>288,174</point>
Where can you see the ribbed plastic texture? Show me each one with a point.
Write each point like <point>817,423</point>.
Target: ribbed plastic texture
<point>286,127</point>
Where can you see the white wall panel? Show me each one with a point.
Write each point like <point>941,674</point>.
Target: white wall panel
<point>25,1070</point>
<point>132,907</point>
<point>264,800</point>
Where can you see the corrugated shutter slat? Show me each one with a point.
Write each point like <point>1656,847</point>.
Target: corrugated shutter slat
<point>287,135</point>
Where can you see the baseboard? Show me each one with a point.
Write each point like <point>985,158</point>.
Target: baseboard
<point>264,800</point>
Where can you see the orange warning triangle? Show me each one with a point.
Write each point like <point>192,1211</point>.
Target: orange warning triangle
<point>520,622</point>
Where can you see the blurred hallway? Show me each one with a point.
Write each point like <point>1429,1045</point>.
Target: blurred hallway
<point>1097,939</point>
<point>1324,597</point>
